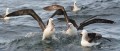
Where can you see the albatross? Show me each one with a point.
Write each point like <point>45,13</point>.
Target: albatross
<point>4,15</point>
<point>48,30</point>
<point>75,8</point>
<point>73,27</point>
<point>90,39</point>
<point>71,30</point>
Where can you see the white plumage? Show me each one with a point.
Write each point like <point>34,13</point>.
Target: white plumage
<point>6,13</point>
<point>71,30</point>
<point>84,42</point>
<point>49,30</point>
<point>75,7</point>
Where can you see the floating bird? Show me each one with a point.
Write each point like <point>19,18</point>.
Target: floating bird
<point>4,17</point>
<point>75,8</point>
<point>6,13</point>
<point>71,30</point>
<point>48,30</point>
<point>89,39</point>
<point>73,27</point>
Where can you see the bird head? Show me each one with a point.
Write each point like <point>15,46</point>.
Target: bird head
<point>84,32</point>
<point>70,25</point>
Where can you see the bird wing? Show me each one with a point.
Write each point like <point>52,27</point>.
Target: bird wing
<point>30,12</point>
<point>57,12</point>
<point>52,7</point>
<point>92,21</point>
<point>73,22</point>
<point>93,37</point>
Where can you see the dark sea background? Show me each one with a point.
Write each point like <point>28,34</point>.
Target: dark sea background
<point>22,33</point>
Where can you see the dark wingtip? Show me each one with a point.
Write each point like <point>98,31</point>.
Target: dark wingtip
<point>111,22</point>
<point>73,22</point>
<point>105,21</point>
<point>80,28</point>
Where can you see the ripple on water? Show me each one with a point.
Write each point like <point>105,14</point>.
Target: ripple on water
<point>19,26</point>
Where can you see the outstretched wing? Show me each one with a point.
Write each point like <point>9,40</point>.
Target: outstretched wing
<point>30,12</point>
<point>57,12</point>
<point>52,7</point>
<point>73,22</point>
<point>92,21</point>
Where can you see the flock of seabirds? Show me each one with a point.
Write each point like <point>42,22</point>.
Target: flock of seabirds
<point>87,39</point>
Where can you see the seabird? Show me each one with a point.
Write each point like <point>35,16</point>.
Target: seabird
<point>90,39</point>
<point>73,27</point>
<point>75,8</point>
<point>6,13</point>
<point>71,30</point>
<point>48,30</point>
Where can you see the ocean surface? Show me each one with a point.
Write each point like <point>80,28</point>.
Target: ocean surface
<point>22,33</point>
